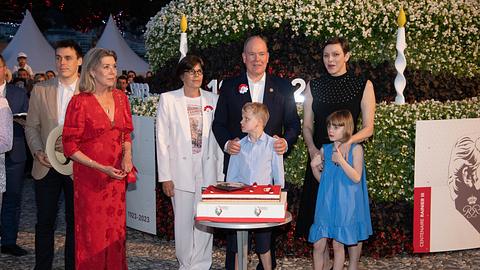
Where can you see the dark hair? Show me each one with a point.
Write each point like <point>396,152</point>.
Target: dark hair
<point>122,77</point>
<point>263,38</point>
<point>40,75</point>
<point>69,43</point>
<point>188,63</point>
<point>22,69</point>
<point>50,71</point>
<point>131,71</point>
<point>139,79</point>
<point>338,40</point>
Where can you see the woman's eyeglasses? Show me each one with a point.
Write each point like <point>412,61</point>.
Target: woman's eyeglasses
<point>193,72</point>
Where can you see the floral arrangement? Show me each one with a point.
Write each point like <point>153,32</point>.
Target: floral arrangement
<point>442,36</point>
<point>146,106</point>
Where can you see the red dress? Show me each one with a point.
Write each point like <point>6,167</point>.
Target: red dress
<point>99,201</point>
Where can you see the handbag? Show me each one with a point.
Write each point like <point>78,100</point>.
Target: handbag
<point>131,177</point>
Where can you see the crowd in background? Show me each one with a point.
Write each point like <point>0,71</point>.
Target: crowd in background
<point>22,75</point>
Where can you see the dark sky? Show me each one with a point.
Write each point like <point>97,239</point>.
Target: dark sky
<point>82,15</point>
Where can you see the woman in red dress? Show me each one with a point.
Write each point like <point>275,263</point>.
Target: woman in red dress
<point>96,135</point>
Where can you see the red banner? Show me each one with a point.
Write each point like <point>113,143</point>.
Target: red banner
<point>421,219</point>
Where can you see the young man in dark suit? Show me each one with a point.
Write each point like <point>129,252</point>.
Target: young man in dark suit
<point>255,86</point>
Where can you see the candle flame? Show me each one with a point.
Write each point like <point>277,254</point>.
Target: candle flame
<point>183,24</point>
<point>402,19</point>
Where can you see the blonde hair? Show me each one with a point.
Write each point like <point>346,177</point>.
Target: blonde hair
<point>258,110</point>
<point>342,118</point>
<point>92,60</point>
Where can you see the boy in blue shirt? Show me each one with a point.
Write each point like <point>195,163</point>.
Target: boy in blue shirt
<point>257,162</point>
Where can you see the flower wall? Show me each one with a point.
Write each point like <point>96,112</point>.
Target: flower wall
<point>442,36</point>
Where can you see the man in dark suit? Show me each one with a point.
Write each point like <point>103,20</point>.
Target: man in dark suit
<point>15,166</point>
<point>255,86</point>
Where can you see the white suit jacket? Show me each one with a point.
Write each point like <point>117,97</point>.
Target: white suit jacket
<point>174,142</point>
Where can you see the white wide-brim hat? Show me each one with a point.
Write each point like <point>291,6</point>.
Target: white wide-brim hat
<point>58,160</point>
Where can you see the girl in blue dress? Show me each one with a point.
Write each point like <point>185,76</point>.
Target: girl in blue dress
<point>342,211</point>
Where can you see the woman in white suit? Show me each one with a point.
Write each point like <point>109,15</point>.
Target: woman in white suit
<point>188,158</point>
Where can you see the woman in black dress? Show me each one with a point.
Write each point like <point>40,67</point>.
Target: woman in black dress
<point>339,89</point>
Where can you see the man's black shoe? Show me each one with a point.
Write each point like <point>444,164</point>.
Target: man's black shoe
<point>14,250</point>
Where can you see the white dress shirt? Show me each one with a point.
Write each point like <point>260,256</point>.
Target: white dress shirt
<point>257,88</point>
<point>257,162</point>
<point>64,94</point>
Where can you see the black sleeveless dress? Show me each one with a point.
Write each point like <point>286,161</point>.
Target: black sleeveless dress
<point>329,94</point>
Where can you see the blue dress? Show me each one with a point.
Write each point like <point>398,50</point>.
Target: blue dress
<point>342,211</point>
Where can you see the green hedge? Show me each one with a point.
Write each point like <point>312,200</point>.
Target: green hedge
<point>442,36</point>
<point>390,153</point>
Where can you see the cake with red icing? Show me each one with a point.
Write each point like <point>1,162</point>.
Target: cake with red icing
<point>226,191</point>
<point>242,203</point>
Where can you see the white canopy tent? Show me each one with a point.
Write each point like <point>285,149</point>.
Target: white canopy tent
<point>29,39</point>
<point>127,59</point>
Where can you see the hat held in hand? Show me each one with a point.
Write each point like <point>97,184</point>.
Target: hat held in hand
<point>58,160</point>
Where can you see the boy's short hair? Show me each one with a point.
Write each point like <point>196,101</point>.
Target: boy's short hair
<point>259,110</point>
<point>342,118</point>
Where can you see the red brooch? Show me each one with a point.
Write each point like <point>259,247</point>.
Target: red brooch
<point>242,88</point>
<point>208,108</point>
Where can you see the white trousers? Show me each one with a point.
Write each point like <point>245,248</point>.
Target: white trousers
<point>193,243</point>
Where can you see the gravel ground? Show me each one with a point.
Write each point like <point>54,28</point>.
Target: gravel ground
<point>149,252</point>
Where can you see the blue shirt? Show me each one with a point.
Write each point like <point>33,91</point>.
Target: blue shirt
<point>257,162</point>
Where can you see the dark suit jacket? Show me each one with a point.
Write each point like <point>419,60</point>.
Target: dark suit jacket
<point>18,102</point>
<point>278,97</point>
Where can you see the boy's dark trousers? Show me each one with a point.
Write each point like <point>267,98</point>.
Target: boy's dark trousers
<point>264,241</point>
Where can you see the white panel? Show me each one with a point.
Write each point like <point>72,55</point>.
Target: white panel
<point>141,197</point>
<point>434,162</point>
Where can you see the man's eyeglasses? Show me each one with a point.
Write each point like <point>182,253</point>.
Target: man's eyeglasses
<point>193,72</point>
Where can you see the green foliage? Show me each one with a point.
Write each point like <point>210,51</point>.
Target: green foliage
<point>296,162</point>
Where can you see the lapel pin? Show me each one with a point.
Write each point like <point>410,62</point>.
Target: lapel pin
<point>270,90</point>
